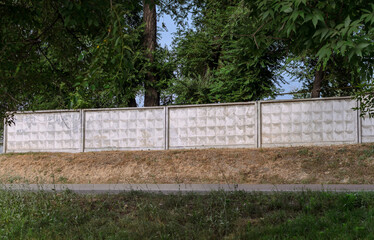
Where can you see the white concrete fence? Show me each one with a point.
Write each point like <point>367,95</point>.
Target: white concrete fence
<point>248,125</point>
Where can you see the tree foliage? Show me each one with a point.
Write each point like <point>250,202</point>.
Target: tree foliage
<point>217,60</point>
<point>115,63</point>
<point>41,42</point>
<point>81,54</point>
<point>72,54</point>
<point>333,36</point>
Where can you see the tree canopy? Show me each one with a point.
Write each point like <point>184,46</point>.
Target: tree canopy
<point>52,50</point>
<point>333,39</point>
<point>83,54</point>
<point>217,60</point>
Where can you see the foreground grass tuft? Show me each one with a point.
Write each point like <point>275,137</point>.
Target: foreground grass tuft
<point>136,215</point>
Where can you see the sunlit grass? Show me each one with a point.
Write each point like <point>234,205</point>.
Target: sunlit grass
<point>307,215</point>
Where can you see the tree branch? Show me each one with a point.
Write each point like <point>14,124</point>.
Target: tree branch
<point>49,61</point>
<point>11,97</point>
<point>71,32</point>
<point>36,39</point>
<point>59,16</point>
<point>257,30</point>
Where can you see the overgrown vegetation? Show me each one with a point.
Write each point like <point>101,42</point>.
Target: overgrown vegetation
<point>73,54</point>
<point>218,215</point>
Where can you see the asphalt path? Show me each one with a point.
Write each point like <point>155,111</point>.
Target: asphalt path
<point>186,188</point>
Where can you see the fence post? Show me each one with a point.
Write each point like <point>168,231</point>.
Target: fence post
<point>5,137</point>
<point>83,129</point>
<point>166,127</point>
<point>259,124</point>
<point>359,122</point>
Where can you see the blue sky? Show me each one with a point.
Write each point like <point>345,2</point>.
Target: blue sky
<point>166,38</point>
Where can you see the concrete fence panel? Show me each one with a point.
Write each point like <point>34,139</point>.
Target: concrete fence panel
<point>249,125</point>
<point>124,129</point>
<point>230,125</point>
<point>309,122</point>
<point>57,131</point>
<point>367,129</point>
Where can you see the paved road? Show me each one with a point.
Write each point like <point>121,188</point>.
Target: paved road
<point>184,188</point>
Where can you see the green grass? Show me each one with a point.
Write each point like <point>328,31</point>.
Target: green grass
<point>219,215</point>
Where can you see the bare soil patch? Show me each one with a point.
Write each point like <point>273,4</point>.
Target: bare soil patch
<point>328,165</point>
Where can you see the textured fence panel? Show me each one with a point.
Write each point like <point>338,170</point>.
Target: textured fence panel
<point>45,132</point>
<point>125,129</point>
<point>266,124</point>
<point>309,122</point>
<point>213,126</point>
<point>367,130</point>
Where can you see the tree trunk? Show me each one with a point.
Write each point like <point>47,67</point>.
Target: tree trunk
<point>152,96</point>
<point>317,84</point>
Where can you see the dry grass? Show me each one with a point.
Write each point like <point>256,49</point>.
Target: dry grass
<point>332,164</point>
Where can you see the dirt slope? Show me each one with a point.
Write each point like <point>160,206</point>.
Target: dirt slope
<point>333,164</point>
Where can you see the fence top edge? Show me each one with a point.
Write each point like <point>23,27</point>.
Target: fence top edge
<point>306,100</point>
<point>119,109</point>
<point>211,105</point>
<point>49,111</point>
<point>182,106</point>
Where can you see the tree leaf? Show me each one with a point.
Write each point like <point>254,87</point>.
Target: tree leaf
<point>362,45</point>
<point>315,21</point>
<point>347,21</point>
<point>288,10</point>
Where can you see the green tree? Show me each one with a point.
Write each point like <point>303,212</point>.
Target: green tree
<point>217,60</point>
<point>339,78</point>
<point>69,54</point>
<point>329,37</point>
<point>39,45</point>
<point>115,62</point>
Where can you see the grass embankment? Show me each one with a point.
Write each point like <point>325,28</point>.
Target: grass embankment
<point>329,164</point>
<point>219,215</point>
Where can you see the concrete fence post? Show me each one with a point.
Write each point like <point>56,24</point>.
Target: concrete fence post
<point>166,127</point>
<point>259,124</point>
<point>83,130</point>
<point>5,137</point>
<point>359,122</point>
